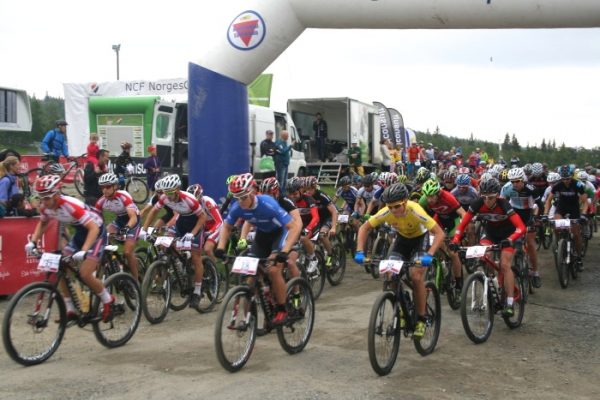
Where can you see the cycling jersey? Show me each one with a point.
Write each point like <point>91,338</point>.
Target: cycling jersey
<point>185,205</point>
<point>322,201</point>
<point>415,221</point>
<point>169,214</point>
<point>465,196</point>
<point>308,212</point>
<point>519,200</point>
<point>539,183</point>
<point>349,195</point>
<point>444,209</point>
<point>568,197</point>
<point>367,195</point>
<point>214,221</point>
<point>119,203</point>
<point>266,214</point>
<point>70,211</point>
<point>286,203</point>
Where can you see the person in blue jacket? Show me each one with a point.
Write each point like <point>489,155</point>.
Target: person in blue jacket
<point>55,140</point>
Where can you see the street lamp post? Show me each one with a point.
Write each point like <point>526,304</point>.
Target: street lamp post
<point>116,48</point>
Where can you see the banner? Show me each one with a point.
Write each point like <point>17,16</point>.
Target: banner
<point>385,122</point>
<point>259,91</point>
<point>16,268</point>
<point>398,127</point>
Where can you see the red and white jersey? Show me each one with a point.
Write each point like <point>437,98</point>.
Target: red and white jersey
<point>185,205</point>
<point>118,203</point>
<point>70,211</point>
<point>214,220</point>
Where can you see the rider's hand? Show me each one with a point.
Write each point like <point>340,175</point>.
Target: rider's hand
<point>143,234</point>
<point>281,257</point>
<point>332,232</point>
<point>426,260</point>
<point>79,256</point>
<point>242,244</point>
<point>188,237</point>
<point>220,253</point>
<point>29,248</point>
<point>305,232</point>
<point>583,219</point>
<point>359,257</point>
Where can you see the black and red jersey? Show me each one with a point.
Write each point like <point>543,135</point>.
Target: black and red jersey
<point>500,220</point>
<point>308,211</point>
<point>322,201</point>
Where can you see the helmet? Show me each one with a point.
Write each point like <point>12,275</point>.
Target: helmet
<point>452,168</point>
<point>537,169</point>
<point>356,179</point>
<point>125,145</point>
<point>60,122</point>
<point>344,180</point>
<point>591,178</point>
<point>431,188</point>
<point>553,177</point>
<point>229,179</point>
<point>171,182</point>
<point>516,174</point>
<point>389,179</point>
<point>242,184</point>
<point>56,169</point>
<point>498,168</point>
<point>368,180</point>
<point>196,190</point>
<point>582,175</point>
<point>527,169</point>
<point>293,184</point>
<point>394,193</point>
<point>47,185</point>
<point>486,176</point>
<point>108,179</point>
<point>564,171</point>
<point>311,182</point>
<point>402,178</point>
<point>158,185</point>
<point>504,175</point>
<point>489,186</point>
<point>463,180</point>
<point>269,185</point>
<point>449,176</point>
<point>422,175</point>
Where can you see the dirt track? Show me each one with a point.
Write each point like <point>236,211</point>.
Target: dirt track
<point>554,355</point>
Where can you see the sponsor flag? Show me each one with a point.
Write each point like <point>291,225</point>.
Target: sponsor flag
<point>398,128</point>
<point>385,122</point>
<point>259,91</point>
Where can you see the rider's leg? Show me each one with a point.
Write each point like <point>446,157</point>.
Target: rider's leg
<point>129,253</point>
<point>506,257</point>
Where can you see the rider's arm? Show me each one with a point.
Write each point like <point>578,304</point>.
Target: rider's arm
<point>150,218</point>
<point>438,239</point>
<point>132,218</point>
<point>363,232</point>
<point>334,216</point>
<point>224,235</point>
<point>294,228</point>
<point>314,220</point>
<point>246,228</point>
<point>92,234</point>
<point>548,203</point>
<point>39,231</point>
<point>583,203</point>
<point>519,225</point>
<point>199,223</point>
<point>460,229</point>
<point>358,204</point>
<point>295,214</point>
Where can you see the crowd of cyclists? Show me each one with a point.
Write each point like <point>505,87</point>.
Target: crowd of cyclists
<point>428,212</point>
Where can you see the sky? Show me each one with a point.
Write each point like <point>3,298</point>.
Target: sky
<point>536,84</point>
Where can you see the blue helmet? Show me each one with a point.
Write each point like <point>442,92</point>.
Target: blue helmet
<point>463,180</point>
<point>565,171</point>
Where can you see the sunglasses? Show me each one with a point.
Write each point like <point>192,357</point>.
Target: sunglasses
<point>170,192</point>
<point>517,181</point>
<point>489,196</point>
<point>397,205</point>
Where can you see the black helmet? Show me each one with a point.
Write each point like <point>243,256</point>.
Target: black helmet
<point>564,171</point>
<point>368,180</point>
<point>394,193</point>
<point>60,122</point>
<point>293,185</point>
<point>345,180</point>
<point>489,186</point>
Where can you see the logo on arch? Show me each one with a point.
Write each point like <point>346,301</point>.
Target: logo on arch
<point>247,31</point>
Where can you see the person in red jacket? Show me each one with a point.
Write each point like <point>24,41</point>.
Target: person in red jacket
<point>502,226</point>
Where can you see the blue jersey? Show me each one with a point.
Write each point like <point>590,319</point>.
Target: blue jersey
<point>520,200</point>
<point>267,215</point>
<point>378,193</point>
<point>349,195</point>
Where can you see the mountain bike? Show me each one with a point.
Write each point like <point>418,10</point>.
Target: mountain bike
<point>236,324</point>
<point>442,276</point>
<point>394,314</point>
<point>316,276</point>
<point>30,332</point>
<point>564,250</point>
<point>385,236</point>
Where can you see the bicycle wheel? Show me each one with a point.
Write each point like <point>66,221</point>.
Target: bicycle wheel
<point>539,237</point>
<point>223,280</point>
<point>380,249</point>
<point>138,190</point>
<point>521,269</point>
<point>452,293</point>
<point>562,267</point>
<point>235,329</point>
<point>547,242</point>
<point>156,292</point>
<point>181,289</point>
<point>476,311</point>
<point>29,332</point>
<point>210,286</point>
<point>300,304</point>
<point>316,278</point>
<point>433,315</point>
<point>335,273</point>
<point>127,311</point>
<point>585,238</point>
<point>78,181</point>
<point>383,337</point>
<point>519,303</point>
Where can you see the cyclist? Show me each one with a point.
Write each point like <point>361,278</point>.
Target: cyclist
<point>276,233</point>
<point>523,199</point>
<point>168,217</point>
<point>465,193</point>
<point>571,201</point>
<point>365,195</point>
<point>412,224</point>
<point>127,221</point>
<point>553,177</point>
<point>385,179</point>
<point>229,198</point>
<point>55,141</point>
<point>188,225</point>
<point>349,194</point>
<point>86,245</point>
<point>421,176</point>
<point>122,163</point>
<point>447,212</point>
<point>449,180</point>
<point>214,221</point>
<point>502,226</point>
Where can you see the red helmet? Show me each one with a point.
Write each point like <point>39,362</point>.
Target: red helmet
<point>196,190</point>
<point>242,185</point>
<point>269,185</point>
<point>47,185</point>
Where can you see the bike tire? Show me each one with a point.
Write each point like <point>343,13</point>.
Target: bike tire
<point>380,249</point>
<point>22,308</point>
<point>127,311</point>
<point>451,291</point>
<point>138,190</point>
<point>78,181</point>
<point>562,267</point>
<point>547,242</point>
<point>223,281</point>
<point>232,325</point>
<point>210,286</point>
<point>156,292</point>
<point>316,279</point>
<point>295,333</point>
<point>335,273</point>
<point>473,304</point>
<point>433,313</point>
<point>519,303</point>
<point>181,291</point>
<point>388,330</point>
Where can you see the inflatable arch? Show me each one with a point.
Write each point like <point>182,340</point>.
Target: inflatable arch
<point>250,35</point>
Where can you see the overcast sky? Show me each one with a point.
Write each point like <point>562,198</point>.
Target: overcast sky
<point>534,83</point>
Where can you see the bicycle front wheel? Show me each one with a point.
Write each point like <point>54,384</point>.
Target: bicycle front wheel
<point>433,316</point>
<point>315,278</point>
<point>335,272</point>
<point>127,311</point>
<point>384,333</point>
<point>562,267</point>
<point>235,329</point>
<point>156,292</point>
<point>210,286</point>
<point>477,309</point>
<point>294,334</point>
<point>29,332</point>
<point>138,190</point>
<point>519,303</point>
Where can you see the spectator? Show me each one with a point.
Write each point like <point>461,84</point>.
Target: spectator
<point>267,146</point>
<point>355,158</point>
<point>91,174</point>
<point>152,166</point>
<point>396,155</point>
<point>282,158</point>
<point>386,157</point>
<point>9,152</point>
<point>122,162</point>
<point>429,154</point>
<point>8,184</point>
<point>55,140</point>
<point>92,148</point>
<point>320,130</point>
<point>483,156</point>
<point>413,157</point>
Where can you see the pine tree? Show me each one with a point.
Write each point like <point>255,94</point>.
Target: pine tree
<point>506,144</point>
<point>543,146</point>
<point>515,143</point>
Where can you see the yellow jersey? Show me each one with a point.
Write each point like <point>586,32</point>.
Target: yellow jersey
<point>414,223</point>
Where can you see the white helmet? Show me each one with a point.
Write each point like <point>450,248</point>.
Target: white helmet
<point>582,175</point>
<point>553,177</point>
<point>537,169</point>
<point>486,176</point>
<point>591,178</point>
<point>516,174</point>
<point>170,182</point>
<point>108,179</point>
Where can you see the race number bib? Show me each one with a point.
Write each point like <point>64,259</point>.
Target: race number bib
<point>562,223</point>
<point>245,265</point>
<point>343,219</point>
<point>250,237</point>
<point>394,266</point>
<point>49,262</point>
<point>476,251</point>
<point>183,245</point>
<point>164,241</point>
